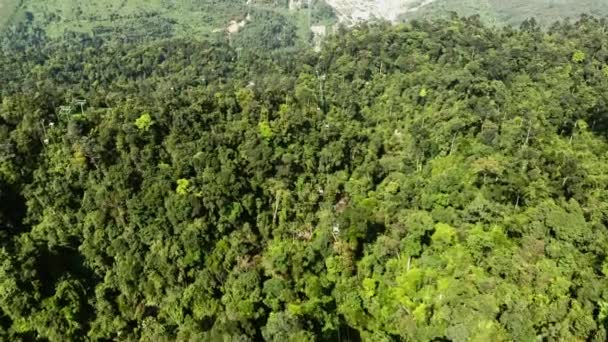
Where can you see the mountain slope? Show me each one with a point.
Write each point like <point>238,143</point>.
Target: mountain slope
<point>515,11</point>
<point>196,18</point>
<point>352,11</point>
<point>493,11</point>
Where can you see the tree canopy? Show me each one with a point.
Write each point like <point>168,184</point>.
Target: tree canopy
<point>440,180</point>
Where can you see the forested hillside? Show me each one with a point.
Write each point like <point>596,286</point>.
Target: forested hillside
<point>512,12</point>
<point>194,19</point>
<point>438,181</point>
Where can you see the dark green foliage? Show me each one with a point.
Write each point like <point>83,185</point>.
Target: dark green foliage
<point>266,31</point>
<point>430,181</point>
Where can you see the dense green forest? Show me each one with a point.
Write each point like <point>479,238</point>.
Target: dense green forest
<point>439,180</point>
<point>184,18</point>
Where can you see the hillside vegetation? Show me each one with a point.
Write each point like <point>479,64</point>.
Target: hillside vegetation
<point>428,181</point>
<point>198,19</point>
<point>195,19</point>
<point>499,12</point>
<point>513,12</point>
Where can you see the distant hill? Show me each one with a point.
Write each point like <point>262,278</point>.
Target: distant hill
<point>492,11</point>
<point>514,11</point>
<point>186,18</point>
<point>268,23</point>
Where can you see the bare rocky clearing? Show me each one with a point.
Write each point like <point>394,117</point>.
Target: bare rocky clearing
<point>353,11</point>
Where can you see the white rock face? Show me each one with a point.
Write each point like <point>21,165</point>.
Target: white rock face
<point>353,11</point>
<point>319,32</point>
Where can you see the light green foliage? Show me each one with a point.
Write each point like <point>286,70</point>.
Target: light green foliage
<point>578,56</point>
<point>603,311</point>
<point>144,122</point>
<point>408,285</point>
<point>79,159</point>
<point>423,92</point>
<point>444,235</point>
<point>369,287</point>
<point>183,187</point>
<point>265,130</point>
